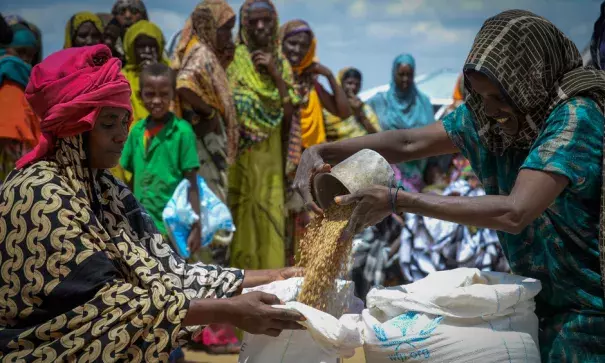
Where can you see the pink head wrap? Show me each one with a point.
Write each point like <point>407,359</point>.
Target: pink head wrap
<point>67,91</point>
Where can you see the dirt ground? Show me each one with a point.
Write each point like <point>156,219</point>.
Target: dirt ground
<point>199,357</point>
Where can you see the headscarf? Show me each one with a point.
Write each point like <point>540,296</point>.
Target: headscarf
<point>257,100</point>
<point>537,68</point>
<point>132,70</point>
<point>68,90</point>
<point>104,284</point>
<point>402,109</point>
<point>131,4</point>
<point>14,68</point>
<point>311,112</point>
<point>199,69</point>
<point>597,43</point>
<point>76,21</point>
<point>13,20</point>
<point>339,129</point>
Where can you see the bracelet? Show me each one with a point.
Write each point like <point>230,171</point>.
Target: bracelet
<point>396,194</point>
<point>392,198</point>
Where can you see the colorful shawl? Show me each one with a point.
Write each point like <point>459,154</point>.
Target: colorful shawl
<point>199,69</point>
<point>311,112</point>
<point>132,70</point>
<point>257,100</point>
<point>96,280</point>
<point>538,68</point>
<point>339,129</point>
<point>76,21</point>
<point>402,110</point>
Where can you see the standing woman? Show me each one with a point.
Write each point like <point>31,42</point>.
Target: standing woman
<point>299,45</point>
<point>404,106</point>
<point>363,121</point>
<point>20,127</point>
<point>83,29</point>
<point>204,52</point>
<point>532,129</point>
<point>261,82</point>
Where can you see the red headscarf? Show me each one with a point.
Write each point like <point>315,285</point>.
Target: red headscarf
<point>67,91</point>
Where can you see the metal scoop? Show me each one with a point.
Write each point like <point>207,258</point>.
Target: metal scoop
<point>361,170</point>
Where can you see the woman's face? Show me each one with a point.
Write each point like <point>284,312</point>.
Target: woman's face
<point>404,77</point>
<point>224,42</point>
<point>495,104</point>
<point>27,54</point>
<point>128,15</point>
<point>351,86</point>
<point>107,138</point>
<point>261,23</point>
<point>87,34</point>
<point>296,46</point>
<point>146,50</point>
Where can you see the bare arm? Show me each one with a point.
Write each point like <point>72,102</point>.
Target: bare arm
<point>194,240</point>
<point>533,192</point>
<point>337,103</point>
<point>361,117</point>
<point>396,146</point>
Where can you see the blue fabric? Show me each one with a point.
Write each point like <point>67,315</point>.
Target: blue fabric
<point>23,37</point>
<point>14,69</point>
<point>402,110</point>
<point>561,247</point>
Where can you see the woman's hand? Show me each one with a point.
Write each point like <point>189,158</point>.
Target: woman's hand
<point>311,164</point>
<point>356,104</point>
<point>265,60</point>
<point>253,278</point>
<point>373,205</point>
<point>319,69</point>
<point>254,314</point>
<point>288,273</point>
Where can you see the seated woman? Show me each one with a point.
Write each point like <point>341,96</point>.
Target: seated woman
<point>404,106</point>
<point>363,121</point>
<point>532,129</point>
<point>299,46</point>
<point>83,29</point>
<point>20,126</point>
<point>86,275</point>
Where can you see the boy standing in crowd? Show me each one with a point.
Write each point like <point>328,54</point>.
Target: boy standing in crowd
<point>161,151</point>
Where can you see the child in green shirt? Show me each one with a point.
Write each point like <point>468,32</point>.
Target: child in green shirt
<point>161,151</point>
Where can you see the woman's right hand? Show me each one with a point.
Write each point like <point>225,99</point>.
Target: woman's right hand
<point>311,164</point>
<point>253,313</point>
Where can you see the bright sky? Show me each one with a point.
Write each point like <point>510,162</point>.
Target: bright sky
<point>366,34</point>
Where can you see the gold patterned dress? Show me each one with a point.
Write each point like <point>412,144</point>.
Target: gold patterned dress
<point>84,275</point>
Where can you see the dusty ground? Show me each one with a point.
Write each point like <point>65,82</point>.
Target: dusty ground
<point>198,357</point>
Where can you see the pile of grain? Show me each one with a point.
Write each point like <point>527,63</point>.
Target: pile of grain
<point>323,256</point>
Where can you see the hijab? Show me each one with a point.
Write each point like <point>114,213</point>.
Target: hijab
<point>14,68</point>
<point>312,126</point>
<point>398,109</point>
<point>76,21</point>
<point>257,100</point>
<point>132,70</point>
<point>199,68</point>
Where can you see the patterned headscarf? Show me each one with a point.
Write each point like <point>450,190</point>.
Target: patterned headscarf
<point>130,4</point>
<point>76,21</point>
<point>398,109</point>
<point>199,68</point>
<point>295,27</point>
<point>257,100</point>
<point>537,68</point>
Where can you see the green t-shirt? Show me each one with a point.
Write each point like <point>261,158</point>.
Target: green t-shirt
<point>159,170</point>
<point>561,247</point>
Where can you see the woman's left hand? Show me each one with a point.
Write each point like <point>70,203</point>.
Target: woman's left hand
<point>289,272</point>
<point>194,241</point>
<point>319,69</point>
<point>373,205</point>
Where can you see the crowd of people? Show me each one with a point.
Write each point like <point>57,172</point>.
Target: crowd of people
<point>96,138</point>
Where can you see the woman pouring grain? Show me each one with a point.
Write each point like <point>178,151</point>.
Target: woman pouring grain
<point>532,128</point>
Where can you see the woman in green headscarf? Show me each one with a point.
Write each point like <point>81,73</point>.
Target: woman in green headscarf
<point>83,29</point>
<point>261,81</point>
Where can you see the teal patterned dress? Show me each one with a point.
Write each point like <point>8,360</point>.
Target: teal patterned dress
<point>560,248</point>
